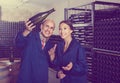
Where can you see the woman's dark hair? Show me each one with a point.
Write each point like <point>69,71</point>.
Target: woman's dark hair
<point>68,22</point>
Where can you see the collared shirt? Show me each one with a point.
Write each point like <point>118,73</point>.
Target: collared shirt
<point>43,40</point>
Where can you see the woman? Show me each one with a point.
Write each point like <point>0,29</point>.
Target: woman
<point>68,55</point>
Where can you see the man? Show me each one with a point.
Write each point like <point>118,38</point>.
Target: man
<point>34,64</point>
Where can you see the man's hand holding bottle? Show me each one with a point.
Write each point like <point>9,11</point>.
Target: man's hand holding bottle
<point>29,27</point>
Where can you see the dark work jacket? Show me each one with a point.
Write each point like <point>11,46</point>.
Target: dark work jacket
<point>75,54</point>
<point>34,60</point>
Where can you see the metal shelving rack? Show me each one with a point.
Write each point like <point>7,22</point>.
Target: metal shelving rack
<point>8,32</point>
<point>97,28</point>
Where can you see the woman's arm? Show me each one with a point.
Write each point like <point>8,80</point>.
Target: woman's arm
<point>78,67</point>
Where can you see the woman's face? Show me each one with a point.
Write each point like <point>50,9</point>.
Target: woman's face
<point>64,31</point>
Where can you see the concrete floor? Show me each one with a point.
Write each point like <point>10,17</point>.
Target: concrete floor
<point>52,76</point>
<point>9,74</point>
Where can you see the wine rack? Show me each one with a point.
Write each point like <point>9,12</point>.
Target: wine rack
<point>106,67</point>
<point>97,28</point>
<point>8,32</point>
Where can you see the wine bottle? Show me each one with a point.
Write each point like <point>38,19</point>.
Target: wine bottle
<point>39,18</point>
<point>11,58</point>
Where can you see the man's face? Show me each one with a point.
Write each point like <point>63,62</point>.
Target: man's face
<point>47,28</point>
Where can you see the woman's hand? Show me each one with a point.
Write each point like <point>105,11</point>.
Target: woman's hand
<point>68,67</point>
<point>52,52</point>
<point>60,74</point>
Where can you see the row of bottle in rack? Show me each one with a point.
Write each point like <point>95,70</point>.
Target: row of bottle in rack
<point>101,33</point>
<point>97,28</point>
